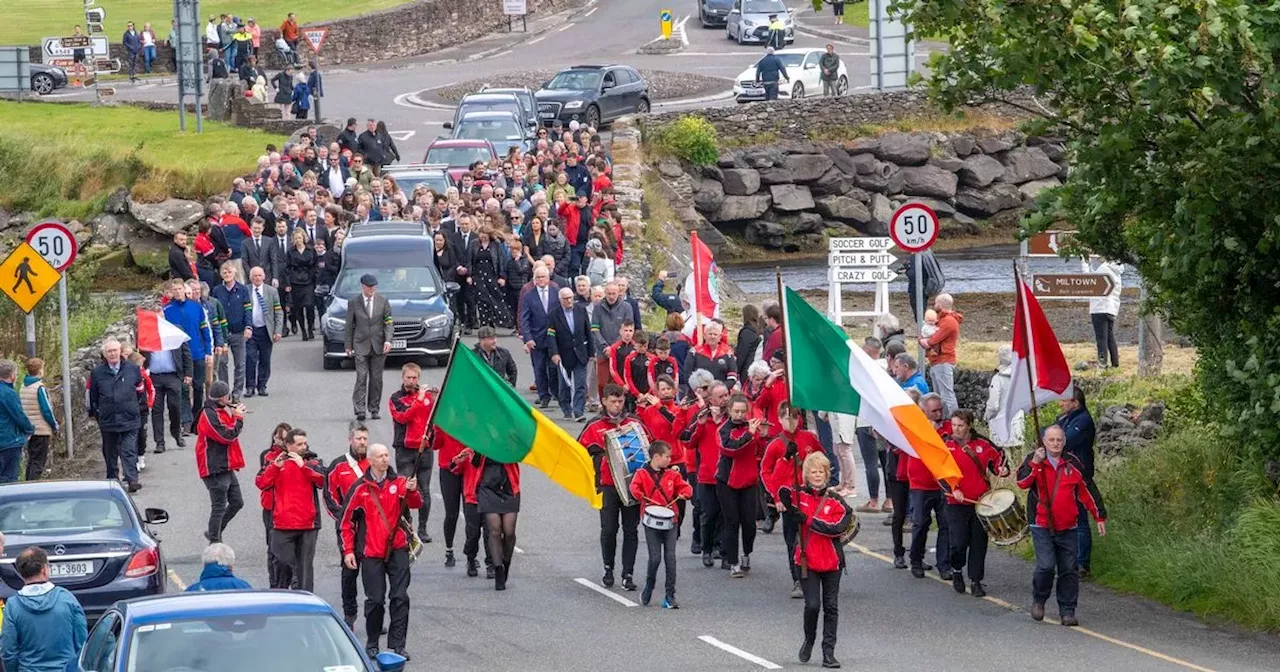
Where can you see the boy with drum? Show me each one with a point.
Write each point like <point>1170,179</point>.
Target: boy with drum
<point>657,488</point>
<point>614,513</point>
<point>976,458</point>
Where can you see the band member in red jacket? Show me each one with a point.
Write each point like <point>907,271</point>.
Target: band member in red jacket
<point>410,408</point>
<point>593,439</point>
<point>782,466</point>
<point>447,448</point>
<point>1056,486</point>
<point>476,533</point>
<point>635,368</point>
<point>976,457</point>
<point>615,356</point>
<point>661,363</point>
<point>498,500</point>
<point>701,438</point>
<point>372,515</point>
<point>658,485</point>
<point>343,473</point>
<point>218,457</point>
<point>926,500</point>
<point>774,393</point>
<point>665,419</point>
<point>267,496</point>
<point>823,519</point>
<point>297,477</point>
<point>737,476</point>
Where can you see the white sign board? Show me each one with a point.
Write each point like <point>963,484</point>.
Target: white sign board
<point>515,7</point>
<point>893,56</point>
<point>860,259</point>
<point>864,275</point>
<point>52,48</point>
<point>858,244</point>
<point>914,227</point>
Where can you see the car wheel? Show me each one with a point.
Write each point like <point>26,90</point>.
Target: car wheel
<point>331,364</point>
<point>643,107</point>
<point>727,35</point>
<point>42,84</point>
<point>593,117</point>
<point>842,86</point>
<point>798,92</point>
<point>740,40</point>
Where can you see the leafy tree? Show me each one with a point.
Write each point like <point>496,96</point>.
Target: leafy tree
<point>1170,110</point>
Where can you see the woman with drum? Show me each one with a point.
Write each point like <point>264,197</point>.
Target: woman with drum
<point>658,487</point>
<point>976,458</point>
<point>782,467</point>
<point>824,520</point>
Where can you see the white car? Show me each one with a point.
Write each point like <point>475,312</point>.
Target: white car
<point>802,68</point>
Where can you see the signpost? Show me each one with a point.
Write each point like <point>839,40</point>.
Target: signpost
<point>914,227</point>
<point>893,56</point>
<point>315,37</point>
<point>58,247</point>
<point>858,261</point>
<point>1071,286</point>
<point>190,61</point>
<point>1046,243</point>
<point>60,47</point>
<point>518,8</point>
<point>666,21</point>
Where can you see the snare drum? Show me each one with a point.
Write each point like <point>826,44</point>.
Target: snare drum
<point>658,517</point>
<point>1001,516</point>
<point>850,532</point>
<point>627,448</point>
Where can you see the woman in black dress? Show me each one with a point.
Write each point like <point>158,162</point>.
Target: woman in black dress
<point>498,501</point>
<point>534,239</point>
<point>300,267</point>
<point>487,281</point>
<point>327,263</point>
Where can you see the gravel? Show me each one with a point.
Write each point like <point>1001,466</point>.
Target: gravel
<point>663,84</point>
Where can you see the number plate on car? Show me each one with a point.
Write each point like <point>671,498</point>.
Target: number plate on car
<point>547,115</point>
<point>399,345</point>
<point>752,92</point>
<point>70,569</point>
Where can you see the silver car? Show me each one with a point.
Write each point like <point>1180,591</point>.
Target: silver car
<point>749,20</point>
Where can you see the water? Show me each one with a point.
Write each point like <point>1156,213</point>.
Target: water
<point>986,270</point>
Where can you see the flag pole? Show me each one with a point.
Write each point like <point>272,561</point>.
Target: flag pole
<point>1025,327</point>
<point>431,415</point>
<point>796,464</point>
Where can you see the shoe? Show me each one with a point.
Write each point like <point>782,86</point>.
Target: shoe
<point>500,578</point>
<point>768,525</point>
<point>628,583</point>
<point>249,394</point>
<point>715,554</point>
<point>899,562</point>
<point>142,463</point>
<point>1083,571</point>
<point>375,415</point>
<point>736,572</point>
<point>829,660</point>
<point>607,579</point>
<point>133,487</point>
<point>669,602</point>
<point>263,392</point>
<point>927,566</point>
<point>957,582</point>
<point>646,594</point>
<point>695,548</point>
<point>917,572</point>
<point>887,521</point>
<point>746,562</point>
<point>449,560</point>
<point>1069,619</point>
<point>473,568</point>
<point>534,388</point>
<point>946,574</point>
<point>350,620</point>
<point>489,572</point>
<point>424,537</point>
<point>707,560</point>
<point>1037,611</point>
<point>206,536</point>
<point>580,418</point>
<point>977,590</point>
<point>180,443</point>
<point>806,650</point>
<point>724,564</point>
<point>361,417</point>
<point>372,652</point>
<point>158,450</point>
<point>887,507</point>
<point>869,507</point>
<point>796,592</point>
<point>405,654</point>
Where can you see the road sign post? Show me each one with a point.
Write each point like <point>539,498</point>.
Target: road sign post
<point>513,8</point>
<point>858,261</point>
<point>914,227</point>
<point>1046,243</point>
<point>316,37</point>
<point>58,246</point>
<point>893,55</point>
<point>190,61</point>
<point>666,20</point>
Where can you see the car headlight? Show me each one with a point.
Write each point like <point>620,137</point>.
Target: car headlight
<point>748,24</point>
<point>436,321</point>
<point>334,324</point>
<point>573,105</point>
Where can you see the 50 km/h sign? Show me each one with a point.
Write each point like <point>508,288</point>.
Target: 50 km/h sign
<point>914,227</point>
<point>55,243</point>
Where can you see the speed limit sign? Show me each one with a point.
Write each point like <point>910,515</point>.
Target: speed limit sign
<point>914,227</point>
<point>55,242</point>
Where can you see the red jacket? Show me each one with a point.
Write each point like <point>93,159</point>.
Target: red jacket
<point>593,439</point>
<point>918,476</point>
<point>701,437</point>
<point>664,421</point>
<point>629,367</point>
<point>344,471</point>
<point>267,496</point>
<point>773,468</point>
<point>739,465</point>
<point>473,469</point>
<point>446,448</point>
<point>1061,488</point>
<point>297,493</point>
<point>768,401</point>
<point>662,367</point>
<point>218,440</point>
<point>973,482</point>
<point>616,355</point>
<point>570,221</point>
<point>149,388</point>
<point>382,531</point>
<point>409,413</point>
<point>651,487</point>
<point>821,527</point>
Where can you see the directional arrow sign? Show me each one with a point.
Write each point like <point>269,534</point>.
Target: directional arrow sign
<point>106,65</point>
<point>1047,243</point>
<point>1072,285</point>
<point>860,259</point>
<point>859,244</point>
<point>53,46</point>
<point>864,275</point>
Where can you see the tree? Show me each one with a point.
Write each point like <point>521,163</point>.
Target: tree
<point>1170,111</point>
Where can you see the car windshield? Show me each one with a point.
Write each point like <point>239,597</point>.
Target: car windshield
<point>511,106</point>
<point>399,276</point>
<point>575,80</point>
<point>438,181</point>
<point>790,60</point>
<point>764,7</point>
<point>251,643</point>
<point>489,129</point>
<point>458,156</point>
<point>66,514</point>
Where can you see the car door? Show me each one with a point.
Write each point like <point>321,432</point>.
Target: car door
<point>99,652</point>
<point>629,84</point>
<point>811,74</point>
<point>611,95</point>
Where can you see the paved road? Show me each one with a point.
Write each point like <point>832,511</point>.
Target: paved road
<point>547,620</point>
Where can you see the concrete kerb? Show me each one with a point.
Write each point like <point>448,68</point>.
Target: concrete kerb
<point>661,47</point>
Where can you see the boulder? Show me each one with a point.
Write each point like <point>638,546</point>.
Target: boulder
<point>808,167</point>
<point>863,164</point>
<point>113,230</point>
<point>1033,188</point>
<point>1054,151</point>
<point>791,197</point>
<point>843,208</point>
<point>707,195</point>
<point>963,145</point>
<point>986,202</point>
<point>947,162</point>
<point>832,182</point>
<point>881,210</point>
<point>801,222</point>
<point>840,158</point>
<point>980,170</point>
<point>999,143</point>
<point>221,92</point>
<point>1152,413</point>
<point>727,160</point>
<point>168,216</point>
<point>1023,164</point>
<point>885,178</point>
<point>904,149</point>
<point>712,237</point>
<point>741,181</point>
<point>118,202</point>
<point>741,207</point>
<point>150,252</point>
<point>763,158</point>
<point>928,180</point>
<point>765,234</point>
<point>941,208</point>
<point>711,173</point>
<point>775,175</point>
<point>670,169</point>
<point>861,145</point>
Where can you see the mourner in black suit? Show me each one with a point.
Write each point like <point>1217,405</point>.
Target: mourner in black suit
<point>569,331</point>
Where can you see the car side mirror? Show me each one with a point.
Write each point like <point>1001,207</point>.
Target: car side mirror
<point>448,125</point>
<point>452,288</point>
<point>389,662</point>
<point>155,516</point>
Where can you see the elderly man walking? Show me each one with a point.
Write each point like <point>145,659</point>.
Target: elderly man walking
<point>44,626</point>
<point>367,336</point>
<point>940,351</point>
<point>15,426</point>
<point>116,392</point>
<point>219,560</point>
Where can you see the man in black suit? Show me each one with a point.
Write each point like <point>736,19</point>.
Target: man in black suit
<point>277,248</point>
<point>334,176</point>
<point>256,251</point>
<point>179,267</point>
<point>535,307</point>
<point>315,229</point>
<point>463,242</point>
<point>569,342</point>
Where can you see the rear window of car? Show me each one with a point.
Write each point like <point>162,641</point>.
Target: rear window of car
<point>65,514</point>
<point>249,643</point>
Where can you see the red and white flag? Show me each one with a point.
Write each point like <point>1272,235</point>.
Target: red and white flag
<point>1035,343</point>
<point>156,333</point>
<point>702,289</point>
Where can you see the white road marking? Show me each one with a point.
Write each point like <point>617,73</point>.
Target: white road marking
<point>403,135</point>
<point>519,550</point>
<point>684,34</point>
<point>749,657</point>
<point>565,27</point>
<point>501,54</point>
<point>536,40</point>
<point>593,11</point>
<point>613,596</point>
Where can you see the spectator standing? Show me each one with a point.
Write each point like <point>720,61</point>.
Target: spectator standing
<point>219,560</point>
<point>749,340</point>
<point>44,626</point>
<point>133,49</point>
<point>15,426</point>
<point>367,336</point>
<point>837,8</point>
<point>1104,310</point>
<point>830,66</point>
<point>289,31</point>
<point>283,84</point>
<point>116,392</point>
<point>315,81</point>
<point>391,153</point>
<point>238,309</point>
<point>148,38</point>
<point>179,267</point>
<point>189,316</point>
<point>940,350</point>
<point>218,457</point>
<point>255,34</point>
<point>38,409</point>
<point>301,97</point>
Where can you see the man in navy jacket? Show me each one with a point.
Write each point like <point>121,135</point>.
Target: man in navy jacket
<point>535,307</point>
<point>116,393</point>
<point>569,342</point>
<point>1077,425</point>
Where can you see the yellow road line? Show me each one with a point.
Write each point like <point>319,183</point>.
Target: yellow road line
<point>1084,631</point>
<point>177,580</point>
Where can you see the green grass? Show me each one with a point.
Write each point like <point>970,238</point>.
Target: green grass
<point>28,21</point>
<point>85,153</point>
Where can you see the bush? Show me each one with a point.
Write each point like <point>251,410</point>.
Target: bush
<point>817,6</point>
<point>689,138</point>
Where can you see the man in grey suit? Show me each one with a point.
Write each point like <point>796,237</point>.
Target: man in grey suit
<point>256,251</point>
<point>367,336</point>
<point>277,247</point>
<point>266,324</point>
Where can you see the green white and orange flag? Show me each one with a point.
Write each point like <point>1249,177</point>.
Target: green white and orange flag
<point>484,413</point>
<point>827,371</point>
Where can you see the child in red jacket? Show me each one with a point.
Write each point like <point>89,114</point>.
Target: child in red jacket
<point>658,485</point>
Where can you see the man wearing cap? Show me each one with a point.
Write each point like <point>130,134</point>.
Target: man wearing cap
<point>496,357</point>
<point>367,336</point>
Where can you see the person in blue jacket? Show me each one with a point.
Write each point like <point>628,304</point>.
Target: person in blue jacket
<point>768,70</point>
<point>1077,425</point>
<point>218,561</point>
<point>906,371</point>
<point>44,626</point>
<point>672,303</point>
<point>15,427</point>
<point>189,316</point>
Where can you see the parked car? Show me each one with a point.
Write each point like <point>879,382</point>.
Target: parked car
<point>714,12</point>
<point>526,99</point>
<point>488,101</point>
<point>409,175</point>
<point>748,20</point>
<point>241,630</point>
<point>503,130</point>
<point>802,68</point>
<point>399,254</point>
<point>100,547</point>
<point>592,94</point>
<point>47,78</point>
<point>459,154</point>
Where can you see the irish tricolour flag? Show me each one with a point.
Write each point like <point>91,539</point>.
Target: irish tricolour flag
<point>827,371</point>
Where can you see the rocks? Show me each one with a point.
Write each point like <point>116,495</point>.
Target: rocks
<point>113,230</point>
<point>963,145</point>
<point>885,178</point>
<point>802,222</point>
<point>947,162</point>
<point>881,210</point>
<point>669,168</point>
<point>775,175</point>
<point>999,143</point>
<point>118,202</point>
<point>904,149</point>
<point>1123,427</point>
<point>841,159</point>
<point>741,207</point>
<point>1032,189</point>
<point>1023,164</point>
<point>168,216</point>
<point>980,170</point>
<point>791,197</point>
<point>843,208</point>
<point>741,181</point>
<point>928,180</point>
<point>831,182</point>
<point>863,164</point>
<point>986,202</point>
<point>708,195</point>
<point>807,167</point>
<point>765,234</point>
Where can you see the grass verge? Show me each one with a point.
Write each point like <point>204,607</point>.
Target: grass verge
<point>84,153</point>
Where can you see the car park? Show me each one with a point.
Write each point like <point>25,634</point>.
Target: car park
<point>409,175</point>
<point>503,130</point>
<point>802,68</point>
<point>459,154</point>
<point>748,20</point>
<point>100,547</point>
<point>240,630</point>
<point>593,95</point>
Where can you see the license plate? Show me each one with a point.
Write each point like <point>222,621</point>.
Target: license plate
<point>752,91</point>
<point>399,345</point>
<point>65,570</point>
<point>547,115</point>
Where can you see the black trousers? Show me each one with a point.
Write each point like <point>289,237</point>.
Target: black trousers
<point>791,534</point>
<point>168,388</point>
<point>140,446</point>
<point>821,592</point>
<point>37,456</point>
<point>197,391</point>
<point>451,491</point>
<point>350,577</point>
<point>925,506</point>
<point>295,551</point>
<point>1056,552</point>
<point>377,575</point>
<point>1104,335</point>
<point>709,516</point>
<point>225,502</point>
<point>476,532</point>
<point>872,458</point>
<point>968,540</point>
<point>272,565</point>
<point>467,306</point>
<point>898,493</point>
<point>739,508</point>
<point>613,514</point>
<point>662,550</point>
<point>404,467</point>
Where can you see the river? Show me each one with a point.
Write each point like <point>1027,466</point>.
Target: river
<point>984,270</point>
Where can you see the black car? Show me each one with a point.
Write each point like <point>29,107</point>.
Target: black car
<point>100,547</point>
<point>714,12</point>
<point>399,254</point>
<point>593,95</point>
<point>47,78</point>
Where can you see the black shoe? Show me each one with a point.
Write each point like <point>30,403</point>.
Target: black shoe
<point>489,572</point>
<point>946,574</point>
<point>424,537</point>
<point>977,590</point>
<point>1084,573</point>
<point>134,487</point>
<point>263,392</point>
<point>917,572</point>
<point>1037,611</point>
<point>405,654</point>
<point>707,560</point>
<point>829,660</point>
<point>449,560</point>
<point>806,650</point>
<point>927,566</point>
<point>767,527</point>
<point>180,443</point>
<point>206,536</point>
<point>887,521</point>
<point>375,415</point>
<point>724,564</point>
<point>695,548</point>
<point>746,562</point>
<point>372,652</point>
<point>361,417</point>
<point>1069,619</point>
<point>647,594</point>
<point>957,582</point>
<point>500,578</point>
<point>350,620</point>
<point>899,562</point>
<point>607,579</point>
<point>627,583</point>
<point>473,568</point>
<point>158,450</point>
<point>248,394</point>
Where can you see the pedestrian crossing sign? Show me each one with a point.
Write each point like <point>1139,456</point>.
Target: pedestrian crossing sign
<point>26,277</point>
